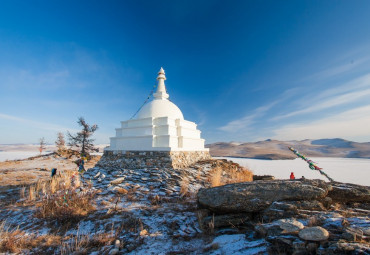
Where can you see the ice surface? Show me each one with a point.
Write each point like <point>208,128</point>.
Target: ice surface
<point>351,170</point>
<point>13,155</point>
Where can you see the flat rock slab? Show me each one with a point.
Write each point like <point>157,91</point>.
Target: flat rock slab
<point>258,195</point>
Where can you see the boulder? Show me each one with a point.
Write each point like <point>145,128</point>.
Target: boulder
<point>314,234</point>
<point>257,196</point>
<point>117,181</point>
<point>346,192</point>
<point>290,225</point>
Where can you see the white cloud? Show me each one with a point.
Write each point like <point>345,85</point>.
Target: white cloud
<point>353,124</point>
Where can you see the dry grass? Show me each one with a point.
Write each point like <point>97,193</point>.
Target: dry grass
<point>211,225</point>
<point>227,173</point>
<point>131,194</point>
<point>15,240</point>
<point>81,243</point>
<point>184,187</point>
<point>61,197</point>
<point>12,240</point>
<point>154,200</point>
<point>238,175</point>
<point>215,178</point>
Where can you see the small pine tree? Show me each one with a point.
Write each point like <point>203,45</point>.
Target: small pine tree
<point>82,140</point>
<point>42,144</point>
<point>60,143</point>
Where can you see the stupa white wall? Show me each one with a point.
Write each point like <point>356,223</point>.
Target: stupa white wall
<point>159,126</point>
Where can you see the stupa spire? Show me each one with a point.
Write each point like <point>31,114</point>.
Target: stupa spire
<point>161,92</point>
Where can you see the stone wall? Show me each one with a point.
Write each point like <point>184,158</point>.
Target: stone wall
<point>151,159</point>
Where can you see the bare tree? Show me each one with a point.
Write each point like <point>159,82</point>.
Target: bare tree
<point>82,139</point>
<point>42,144</point>
<point>60,142</point>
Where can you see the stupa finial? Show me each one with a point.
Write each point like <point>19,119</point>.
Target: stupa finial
<point>161,89</point>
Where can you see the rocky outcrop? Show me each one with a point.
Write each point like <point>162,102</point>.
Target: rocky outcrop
<point>259,195</point>
<point>346,192</point>
<point>301,217</point>
<point>151,159</point>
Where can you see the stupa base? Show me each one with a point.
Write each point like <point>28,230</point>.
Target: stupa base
<point>151,159</point>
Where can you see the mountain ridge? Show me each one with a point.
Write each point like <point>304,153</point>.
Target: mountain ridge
<point>275,149</point>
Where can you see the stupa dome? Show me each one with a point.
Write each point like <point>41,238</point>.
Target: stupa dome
<point>160,108</point>
<point>159,127</point>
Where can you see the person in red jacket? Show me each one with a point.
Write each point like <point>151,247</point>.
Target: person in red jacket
<point>292,177</point>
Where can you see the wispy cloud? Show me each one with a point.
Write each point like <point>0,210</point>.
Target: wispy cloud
<point>37,124</point>
<point>352,124</point>
<point>247,121</point>
<point>343,64</point>
<point>328,103</point>
<point>351,91</point>
<point>339,69</point>
<point>14,79</point>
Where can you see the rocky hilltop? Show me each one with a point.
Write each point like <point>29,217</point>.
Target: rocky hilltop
<point>274,149</point>
<point>293,217</point>
<point>211,207</point>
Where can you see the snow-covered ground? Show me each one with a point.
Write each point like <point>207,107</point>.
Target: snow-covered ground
<point>23,151</point>
<point>13,155</point>
<point>351,170</point>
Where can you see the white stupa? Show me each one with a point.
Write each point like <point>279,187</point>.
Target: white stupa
<point>159,127</point>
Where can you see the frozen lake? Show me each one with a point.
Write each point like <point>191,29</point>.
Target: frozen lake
<point>351,170</point>
<point>13,155</point>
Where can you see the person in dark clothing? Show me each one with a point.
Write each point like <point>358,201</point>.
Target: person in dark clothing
<point>53,172</point>
<point>81,166</point>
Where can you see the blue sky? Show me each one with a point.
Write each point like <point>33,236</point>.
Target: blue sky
<point>242,70</point>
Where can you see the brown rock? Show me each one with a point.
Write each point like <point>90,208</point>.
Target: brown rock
<point>257,196</point>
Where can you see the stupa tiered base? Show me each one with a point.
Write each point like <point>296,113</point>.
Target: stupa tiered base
<point>152,159</point>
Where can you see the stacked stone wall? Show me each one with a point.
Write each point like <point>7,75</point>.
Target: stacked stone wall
<point>151,159</point>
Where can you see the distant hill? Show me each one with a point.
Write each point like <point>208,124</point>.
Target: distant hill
<point>274,149</point>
